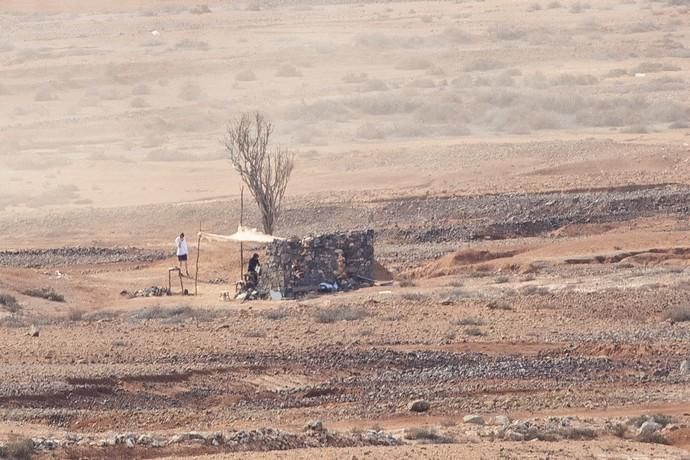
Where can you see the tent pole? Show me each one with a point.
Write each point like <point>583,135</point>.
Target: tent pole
<point>241,223</point>
<point>196,272</point>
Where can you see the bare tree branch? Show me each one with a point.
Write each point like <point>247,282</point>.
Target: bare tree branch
<point>265,172</point>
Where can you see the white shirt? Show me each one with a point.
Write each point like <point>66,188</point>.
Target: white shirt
<point>181,246</point>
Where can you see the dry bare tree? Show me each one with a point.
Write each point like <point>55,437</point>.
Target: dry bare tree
<point>265,172</point>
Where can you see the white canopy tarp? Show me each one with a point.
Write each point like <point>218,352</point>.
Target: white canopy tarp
<point>243,234</point>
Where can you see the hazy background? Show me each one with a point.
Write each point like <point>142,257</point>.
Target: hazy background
<point>96,110</point>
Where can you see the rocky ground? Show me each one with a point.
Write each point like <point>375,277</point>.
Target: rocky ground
<point>517,337</point>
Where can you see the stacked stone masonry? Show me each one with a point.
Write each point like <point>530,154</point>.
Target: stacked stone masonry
<point>295,267</point>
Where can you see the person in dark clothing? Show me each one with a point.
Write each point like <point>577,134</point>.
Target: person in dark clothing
<point>254,268</point>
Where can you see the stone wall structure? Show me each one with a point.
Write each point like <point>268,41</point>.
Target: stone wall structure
<point>295,267</point>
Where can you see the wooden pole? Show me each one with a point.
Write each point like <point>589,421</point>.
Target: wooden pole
<point>241,223</point>
<point>196,272</point>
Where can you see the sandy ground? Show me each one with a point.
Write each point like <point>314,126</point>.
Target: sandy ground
<point>112,136</point>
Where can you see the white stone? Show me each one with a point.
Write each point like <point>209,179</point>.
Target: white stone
<point>649,427</point>
<point>474,419</point>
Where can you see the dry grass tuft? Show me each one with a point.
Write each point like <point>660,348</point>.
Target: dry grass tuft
<point>18,450</point>
<point>9,303</point>
<point>47,293</point>
<point>340,313</point>
<point>679,314</point>
<point>427,435</point>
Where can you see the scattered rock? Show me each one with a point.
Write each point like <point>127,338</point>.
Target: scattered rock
<point>34,331</point>
<point>314,425</point>
<point>685,367</point>
<point>511,435</point>
<point>419,405</point>
<point>77,256</point>
<point>648,428</point>
<point>473,419</point>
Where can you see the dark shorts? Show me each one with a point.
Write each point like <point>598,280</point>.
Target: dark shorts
<point>182,258</point>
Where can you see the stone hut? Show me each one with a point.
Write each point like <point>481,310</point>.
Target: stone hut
<point>295,267</point>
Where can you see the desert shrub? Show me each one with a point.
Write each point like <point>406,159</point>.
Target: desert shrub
<point>653,67</point>
<point>574,80</point>
<point>370,131</point>
<point>101,315</point>
<point>426,435</point>
<point>665,84</point>
<point>653,438</point>
<point>679,314</point>
<point>254,334</point>
<point>406,282</point>
<point>473,332</point>
<point>616,73</point>
<point>578,7</point>
<point>15,321</point>
<point>422,83</point>
<point>47,293</point>
<point>498,305</point>
<point>469,321</point>
<point>456,35</point>
<point>9,303</point>
<point>75,314</point>
<point>503,79</point>
<point>190,91</point>
<point>641,27</point>
<point>141,90</point>
<point>534,290</point>
<point>288,70</point>
<point>276,314</point>
<point>456,294</point>
<point>340,313</point>
<point>483,64</point>
<point>355,78</point>
<point>534,7</point>
<point>507,32</point>
<point>536,80</point>
<point>661,419</point>
<point>166,155</point>
<point>18,450</point>
<point>172,314</point>
<point>414,63</point>
<point>554,4</point>
<point>245,75</point>
<point>414,296</point>
<point>501,280</point>
<point>393,318</point>
<point>636,129</point>
<point>139,103</point>
<point>578,433</point>
<point>192,45</point>
<point>382,104</point>
<point>200,9</point>
<point>617,429</point>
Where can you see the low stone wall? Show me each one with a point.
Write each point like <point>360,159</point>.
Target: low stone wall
<point>295,267</point>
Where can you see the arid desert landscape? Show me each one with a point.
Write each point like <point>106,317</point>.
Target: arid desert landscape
<point>525,166</point>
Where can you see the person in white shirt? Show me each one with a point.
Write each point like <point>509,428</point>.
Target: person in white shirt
<point>182,252</point>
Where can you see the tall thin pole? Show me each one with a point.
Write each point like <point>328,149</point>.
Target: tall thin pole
<point>196,272</point>
<point>241,223</point>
